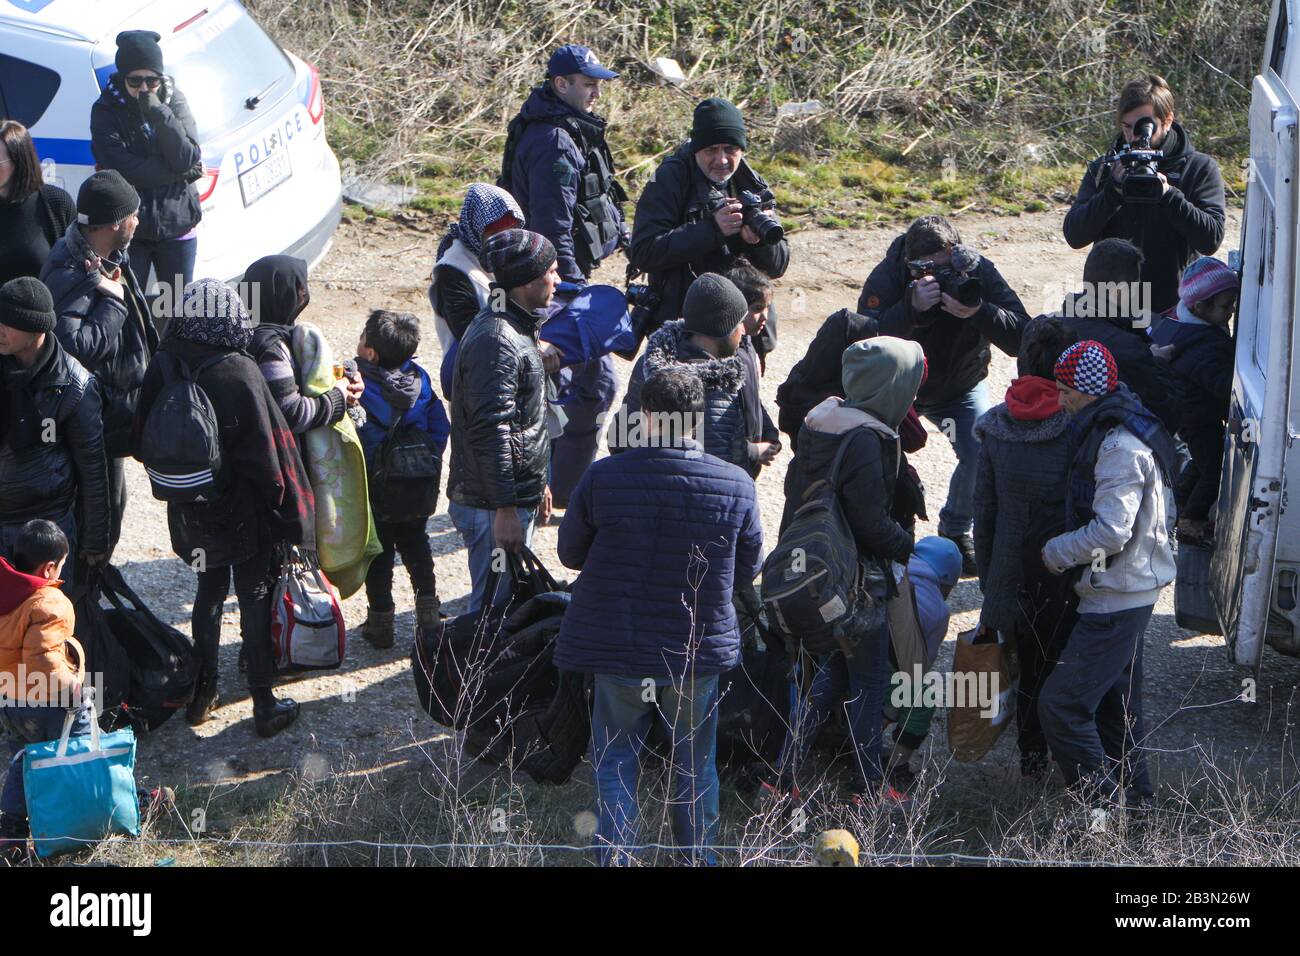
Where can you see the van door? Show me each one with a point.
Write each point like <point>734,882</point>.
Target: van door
<point>1251,494</point>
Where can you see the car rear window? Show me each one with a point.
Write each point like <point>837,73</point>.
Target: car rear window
<point>26,89</point>
<point>222,60</point>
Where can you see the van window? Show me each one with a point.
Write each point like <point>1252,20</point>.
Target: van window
<point>220,62</point>
<point>1280,32</point>
<point>26,89</point>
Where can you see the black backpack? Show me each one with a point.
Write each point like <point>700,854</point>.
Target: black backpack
<point>814,586</point>
<point>408,470</point>
<point>180,444</point>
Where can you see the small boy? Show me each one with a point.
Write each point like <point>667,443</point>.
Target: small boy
<point>397,386</point>
<point>36,621</point>
<point>1198,347</point>
<point>760,324</point>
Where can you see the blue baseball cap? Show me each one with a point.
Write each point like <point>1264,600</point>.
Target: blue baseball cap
<point>574,58</point>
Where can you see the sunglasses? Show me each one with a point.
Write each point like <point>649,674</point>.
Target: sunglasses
<point>135,82</point>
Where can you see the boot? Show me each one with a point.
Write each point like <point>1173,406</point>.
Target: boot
<point>13,840</point>
<point>378,628</point>
<point>966,545</point>
<point>270,716</point>
<point>427,608</point>
<point>204,701</point>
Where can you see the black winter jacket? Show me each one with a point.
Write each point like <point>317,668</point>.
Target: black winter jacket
<point>675,238</point>
<point>820,373</point>
<point>113,342</point>
<point>1203,362</point>
<point>44,479</point>
<point>1187,221</point>
<point>499,444</point>
<point>956,350</point>
<point>161,162</point>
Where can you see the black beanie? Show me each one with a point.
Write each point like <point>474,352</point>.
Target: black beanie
<point>106,198</point>
<point>138,50</point>
<point>516,257</point>
<point>717,121</point>
<point>714,306</point>
<point>26,305</point>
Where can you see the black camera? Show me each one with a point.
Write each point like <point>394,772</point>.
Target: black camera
<point>1141,182</point>
<point>753,206</point>
<point>955,279</point>
<point>642,302</point>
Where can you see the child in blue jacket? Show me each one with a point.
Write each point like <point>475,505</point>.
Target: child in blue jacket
<point>397,386</point>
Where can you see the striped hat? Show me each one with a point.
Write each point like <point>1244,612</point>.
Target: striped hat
<point>517,256</point>
<point>1088,367</point>
<point>1204,279</point>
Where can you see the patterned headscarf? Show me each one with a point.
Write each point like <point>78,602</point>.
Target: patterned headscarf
<point>1088,367</point>
<point>212,314</point>
<point>483,205</point>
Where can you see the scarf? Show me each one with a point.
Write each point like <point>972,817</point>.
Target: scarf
<point>1032,398</point>
<point>483,206</point>
<point>212,314</point>
<point>399,387</point>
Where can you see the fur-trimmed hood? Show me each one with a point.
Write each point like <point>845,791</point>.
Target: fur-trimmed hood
<point>669,346</point>
<point>998,422</point>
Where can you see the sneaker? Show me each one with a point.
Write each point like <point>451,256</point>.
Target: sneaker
<point>966,545</point>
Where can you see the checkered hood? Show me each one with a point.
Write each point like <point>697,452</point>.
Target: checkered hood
<point>1088,367</point>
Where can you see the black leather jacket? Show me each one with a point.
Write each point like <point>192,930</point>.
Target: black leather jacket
<point>41,478</point>
<point>499,444</point>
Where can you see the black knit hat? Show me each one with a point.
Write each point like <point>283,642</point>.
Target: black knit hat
<point>138,50</point>
<point>717,121</point>
<point>106,198</point>
<point>714,306</point>
<point>26,305</point>
<point>516,257</point>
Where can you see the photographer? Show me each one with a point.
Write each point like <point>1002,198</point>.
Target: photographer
<point>941,294</point>
<point>1171,223</point>
<point>692,217</point>
<point>141,126</point>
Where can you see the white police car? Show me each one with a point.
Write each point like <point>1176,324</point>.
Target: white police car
<point>272,183</point>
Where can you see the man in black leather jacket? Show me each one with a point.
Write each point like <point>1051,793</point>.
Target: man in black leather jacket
<point>51,430</point>
<point>500,449</point>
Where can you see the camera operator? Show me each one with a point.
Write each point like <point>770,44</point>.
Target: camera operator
<point>1172,222</point>
<point>941,294</point>
<point>702,209</point>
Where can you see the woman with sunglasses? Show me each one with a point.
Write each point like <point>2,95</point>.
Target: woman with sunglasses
<point>34,215</point>
<point>141,126</point>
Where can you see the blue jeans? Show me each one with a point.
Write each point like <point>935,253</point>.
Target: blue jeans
<point>621,719</point>
<point>1091,705</point>
<point>859,683</point>
<point>956,419</point>
<point>169,258</point>
<point>475,527</point>
<point>31,724</point>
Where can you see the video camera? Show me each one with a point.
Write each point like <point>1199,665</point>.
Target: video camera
<point>753,205</point>
<point>1141,182</point>
<point>955,279</point>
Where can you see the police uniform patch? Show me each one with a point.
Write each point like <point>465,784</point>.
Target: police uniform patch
<point>564,172</point>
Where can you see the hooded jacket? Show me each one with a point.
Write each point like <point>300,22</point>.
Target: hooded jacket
<point>816,376</point>
<point>46,479</point>
<point>1202,361</point>
<point>157,152</point>
<point>957,350</point>
<point>1188,221</point>
<point>406,391</point>
<point>734,416</point>
<point>113,339</point>
<point>500,448</point>
<point>1024,463</point>
<point>36,620</point>
<point>675,238</point>
<point>270,288</point>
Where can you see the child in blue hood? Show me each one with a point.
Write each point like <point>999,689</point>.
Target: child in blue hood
<point>398,387</point>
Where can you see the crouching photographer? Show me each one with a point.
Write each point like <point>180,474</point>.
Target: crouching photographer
<point>935,291</point>
<point>703,209</point>
<point>1153,189</point>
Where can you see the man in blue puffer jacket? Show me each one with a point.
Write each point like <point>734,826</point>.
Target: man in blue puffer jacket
<point>662,534</point>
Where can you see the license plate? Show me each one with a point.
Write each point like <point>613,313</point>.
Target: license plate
<point>265,176</point>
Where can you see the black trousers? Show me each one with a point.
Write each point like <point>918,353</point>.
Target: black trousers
<point>1041,634</point>
<point>253,589</point>
<point>1197,488</point>
<point>410,540</point>
<point>116,500</point>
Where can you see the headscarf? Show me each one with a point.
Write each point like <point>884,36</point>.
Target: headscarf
<point>270,289</point>
<point>212,314</point>
<point>484,204</point>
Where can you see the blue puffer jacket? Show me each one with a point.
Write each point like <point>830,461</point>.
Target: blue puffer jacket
<point>660,535</point>
<point>427,414</point>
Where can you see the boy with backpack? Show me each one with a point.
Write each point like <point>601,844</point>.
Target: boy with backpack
<point>36,622</point>
<point>404,437</point>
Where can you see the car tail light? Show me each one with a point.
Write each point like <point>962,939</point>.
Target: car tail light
<point>208,184</point>
<point>316,100</point>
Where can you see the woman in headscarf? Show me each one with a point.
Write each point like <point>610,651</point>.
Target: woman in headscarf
<point>267,499</point>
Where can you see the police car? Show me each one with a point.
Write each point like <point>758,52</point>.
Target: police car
<point>272,182</point>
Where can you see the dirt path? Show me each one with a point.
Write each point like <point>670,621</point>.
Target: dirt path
<point>368,708</point>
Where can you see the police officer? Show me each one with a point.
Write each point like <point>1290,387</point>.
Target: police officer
<point>559,168</point>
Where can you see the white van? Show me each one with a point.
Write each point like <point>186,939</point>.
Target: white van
<point>272,183</point>
<point>1255,568</point>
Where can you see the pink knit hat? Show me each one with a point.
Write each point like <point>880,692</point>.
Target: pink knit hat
<point>1204,279</point>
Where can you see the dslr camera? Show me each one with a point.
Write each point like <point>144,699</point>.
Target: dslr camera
<point>956,279</point>
<point>1141,183</point>
<point>753,205</point>
<point>642,301</point>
